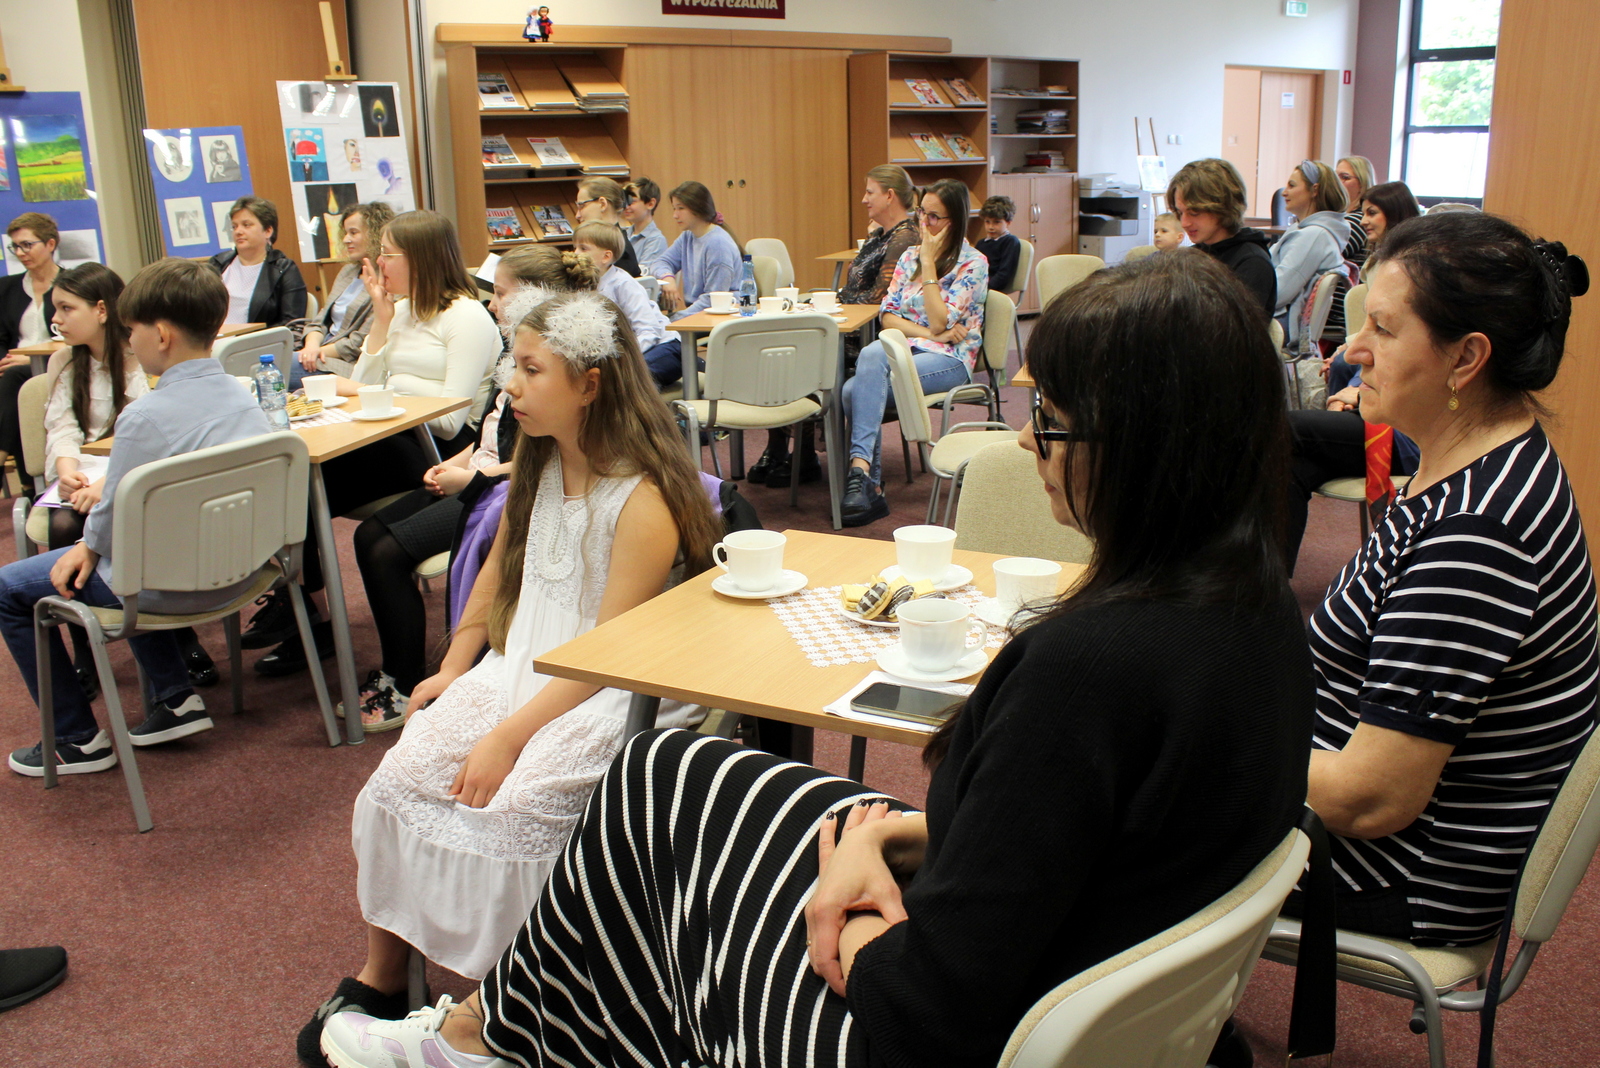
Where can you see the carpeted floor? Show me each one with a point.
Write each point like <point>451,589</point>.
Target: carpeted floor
<point>210,940</point>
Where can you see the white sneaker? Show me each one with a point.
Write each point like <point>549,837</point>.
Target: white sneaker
<point>355,1040</point>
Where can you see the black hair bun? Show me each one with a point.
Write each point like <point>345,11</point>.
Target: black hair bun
<point>1577,273</point>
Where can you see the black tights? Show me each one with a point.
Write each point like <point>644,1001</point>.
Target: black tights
<point>396,603</point>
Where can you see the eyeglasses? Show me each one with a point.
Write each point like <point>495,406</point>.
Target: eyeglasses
<point>19,247</point>
<point>933,216</point>
<point>391,255</point>
<point>591,200</point>
<point>1044,436</point>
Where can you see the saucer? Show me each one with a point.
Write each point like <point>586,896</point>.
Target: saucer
<point>378,417</point>
<point>856,618</point>
<point>893,660</point>
<point>956,577</point>
<point>337,402</point>
<point>788,582</point>
<point>992,612</point>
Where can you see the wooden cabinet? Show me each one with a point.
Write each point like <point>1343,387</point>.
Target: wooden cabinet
<point>1047,217</point>
<point>760,127</point>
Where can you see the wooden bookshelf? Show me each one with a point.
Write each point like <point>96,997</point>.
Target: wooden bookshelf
<point>545,80</point>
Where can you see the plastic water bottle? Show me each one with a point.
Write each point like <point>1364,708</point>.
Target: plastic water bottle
<point>747,288</point>
<point>272,393</point>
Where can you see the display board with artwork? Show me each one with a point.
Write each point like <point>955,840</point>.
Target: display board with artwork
<point>345,145</point>
<point>198,173</point>
<point>45,167</point>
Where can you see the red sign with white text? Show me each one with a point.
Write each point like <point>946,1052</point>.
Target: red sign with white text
<point>750,9</point>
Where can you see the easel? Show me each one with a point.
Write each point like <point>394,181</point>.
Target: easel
<point>6,84</point>
<point>338,69</point>
<point>1152,169</point>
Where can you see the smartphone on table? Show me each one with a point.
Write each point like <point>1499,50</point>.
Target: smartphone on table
<point>926,707</point>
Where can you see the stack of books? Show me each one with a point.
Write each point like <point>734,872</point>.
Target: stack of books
<point>1042,121</point>
<point>1043,162</point>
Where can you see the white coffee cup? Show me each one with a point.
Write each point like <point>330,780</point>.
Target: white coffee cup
<point>860,241</point>
<point>1020,580</point>
<point>789,293</point>
<point>321,387</point>
<point>773,305</point>
<point>376,400</point>
<point>753,559</point>
<point>924,552</point>
<point>723,303</point>
<point>933,633</point>
<point>247,382</point>
<point>825,300</point>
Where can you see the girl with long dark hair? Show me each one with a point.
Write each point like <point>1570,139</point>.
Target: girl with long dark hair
<point>1134,751</point>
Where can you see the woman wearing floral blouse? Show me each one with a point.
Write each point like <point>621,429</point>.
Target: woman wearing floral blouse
<point>936,299</point>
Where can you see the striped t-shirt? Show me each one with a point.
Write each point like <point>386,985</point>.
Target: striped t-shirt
<point>1469,618</point>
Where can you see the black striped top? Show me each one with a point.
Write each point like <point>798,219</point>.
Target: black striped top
<point>1469,618</point>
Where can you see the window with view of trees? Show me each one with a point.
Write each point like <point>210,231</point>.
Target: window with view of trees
<point>1451,90</point>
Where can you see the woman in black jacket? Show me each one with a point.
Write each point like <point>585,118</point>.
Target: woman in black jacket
<point>25,313</point>
<point>264,285</point>
<point>1136,749</point>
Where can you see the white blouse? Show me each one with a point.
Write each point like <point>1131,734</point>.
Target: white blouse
<point>450,355</point>
<point>63,436</point>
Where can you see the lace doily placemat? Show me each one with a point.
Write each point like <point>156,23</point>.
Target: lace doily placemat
<point>327,417</point>
<point>828,639</point>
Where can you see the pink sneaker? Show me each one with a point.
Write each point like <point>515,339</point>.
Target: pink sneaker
<point>355,1040</point>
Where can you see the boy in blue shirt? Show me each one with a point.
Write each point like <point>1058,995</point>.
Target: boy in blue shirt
<point>1000,246</point>
<point>173,309</point>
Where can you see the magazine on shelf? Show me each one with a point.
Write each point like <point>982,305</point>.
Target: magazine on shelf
<point>551,152</point>
<point>962,92</point>
<point>961,145</point>
<point>931,147</point>
<point>504,225</point>
<point>495,92</point>
<point>497,152</point>
<point>552,221</point>
<point>926,94</point>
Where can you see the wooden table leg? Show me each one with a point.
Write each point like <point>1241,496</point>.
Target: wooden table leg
<point>333,585</point>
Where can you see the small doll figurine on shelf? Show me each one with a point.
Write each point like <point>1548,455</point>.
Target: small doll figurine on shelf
<point>531,31</point>
<point>545,25</point>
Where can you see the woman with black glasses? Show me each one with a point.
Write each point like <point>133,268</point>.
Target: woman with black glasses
<point>25,312</point>
<point>1134,751</point>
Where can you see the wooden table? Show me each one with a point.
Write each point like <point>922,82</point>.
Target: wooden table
<point>326,443</point>
<point>859,319</point>
<point>39,355</point>
<point>839,259</point>
<point>691,644</point>
<point>1023,378</point>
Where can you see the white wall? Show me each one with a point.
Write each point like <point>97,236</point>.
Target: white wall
<point>47,53</point>
<point>1161,59</point>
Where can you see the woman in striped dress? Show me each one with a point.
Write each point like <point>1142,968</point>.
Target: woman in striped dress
<point>1127,758</point>
<point>1456,655</point>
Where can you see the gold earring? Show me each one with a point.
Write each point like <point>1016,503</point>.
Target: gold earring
<point>1454,402</point>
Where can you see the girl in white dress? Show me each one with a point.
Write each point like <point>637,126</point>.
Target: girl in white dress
<point>457,830</point>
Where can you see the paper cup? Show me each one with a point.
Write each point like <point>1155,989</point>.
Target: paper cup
<point>1020,580</point>
<point>723,303</point>
<point>933,633</point>
<point>320,387</point>
<point>924,552</point>
<point>753,559</point>
<point>790,294</point>
<point>376,400</point>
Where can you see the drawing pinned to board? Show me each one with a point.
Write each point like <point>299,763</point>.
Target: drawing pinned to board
<point>307,158</point>
<point>174,154</point>
<point>222,159</point>
<point>5,167</point>
<point>394,181</point>
<point>324,216</point>
<point>186,221</point>
<point>378,117</point>
<point>352,153</point>
<point>49,152</point>
<point>222,220</point>
<point>73,249</point>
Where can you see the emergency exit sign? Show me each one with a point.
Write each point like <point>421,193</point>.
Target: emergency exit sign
<point>1298,9</point>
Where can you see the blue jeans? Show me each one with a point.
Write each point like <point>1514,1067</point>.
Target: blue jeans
<point>867,395</point>
<point>1340,372</point>
<point>22,585</point>
<point>665,361</point>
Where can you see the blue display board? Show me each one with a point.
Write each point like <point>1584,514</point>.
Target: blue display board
<point>45,167</point>
<point>199,171</point>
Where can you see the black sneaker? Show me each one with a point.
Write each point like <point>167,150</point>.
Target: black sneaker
<point>88,681</point>
<point>810,471</point>
<point>202,671</point>
<point>273,622</point>
<point>863,502</point>
<point>168,723</point>
<point>97,754</point>
<point>352,995</point>
<point>290,657</point>
<point>27,973</point>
